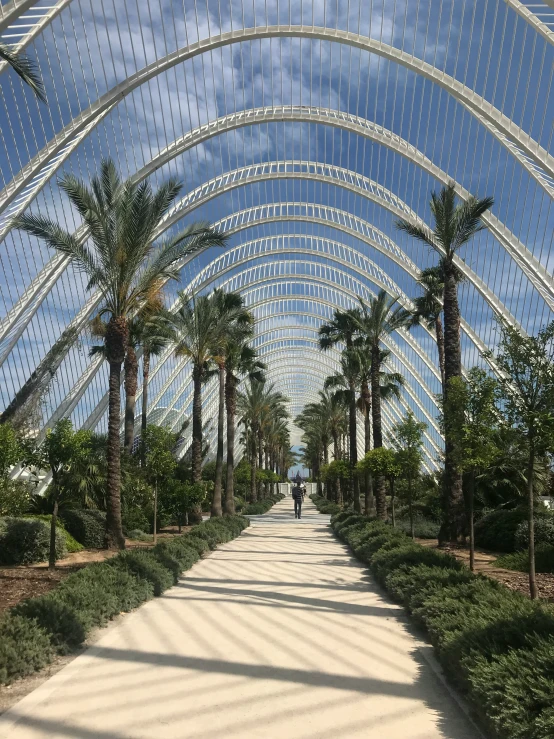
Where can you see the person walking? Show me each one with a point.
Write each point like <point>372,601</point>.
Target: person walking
<point>297,497</point>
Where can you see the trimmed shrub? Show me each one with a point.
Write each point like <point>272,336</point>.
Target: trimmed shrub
<point>199,545</point>
<point>544,560</point>
<point>340,517</point>
<point>71,544</point>
<point>145,566</point>
<point>24,647</point>
<point>24,541</point>
<point>412,585</point>
<point>544,533</point>
<point>383,561</point>
<point>87,526</point>
<point>60,621</point>
<point>502,530</point>
<point>424,528</point>
<point>325,506</point>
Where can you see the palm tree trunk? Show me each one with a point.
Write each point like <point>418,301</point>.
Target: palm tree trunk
<point>196,513</point>
<point>453,499</point>
<point>354,450</point>
<point>253,491</point>
<point>440,347</point>
<point>131,384</point>
<point>368,482</point>
<point>216,502</point>
<point>230,404</point>
<point>144,411</point>
<point>114,532</point>
<point>380,483</point>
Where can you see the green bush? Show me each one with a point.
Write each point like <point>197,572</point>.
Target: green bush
<point>544,560</point>
<point>514,691</point>
<point>340,517</point>
<point>145,566</point>
<point>24,647</point>
<point>60,621</point>
<point>87,526</point>
<point>501,530</point>
<point>199,545</point>
<point>544,533</point>
<point>24,541</point>
<point>386,561</point>
<point>412,585</point>
<point>325,506</point>
<point>424,528</point>
<point>71,544</point>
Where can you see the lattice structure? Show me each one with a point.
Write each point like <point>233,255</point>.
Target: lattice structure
<point>304,128</point>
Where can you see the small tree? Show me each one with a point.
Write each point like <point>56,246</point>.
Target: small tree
<point>382,462</point>
<point>193,495</point>
<point>527,385</point>
<point>62,452</point>
<point>408,442</point>
<point>337,472</point>
<point>159,461</point>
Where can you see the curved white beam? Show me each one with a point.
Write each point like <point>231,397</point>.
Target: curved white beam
<point>21,313</point>
<point>498,124</point>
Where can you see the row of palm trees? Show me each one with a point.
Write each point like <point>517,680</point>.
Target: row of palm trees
<point>266,436</point>
<point>363,381</point>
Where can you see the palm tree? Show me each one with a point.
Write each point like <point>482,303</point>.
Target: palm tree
<point>378,319</point>
<point>155,334</point>
<point>455,225</point>
<point>342,329</point>
<point>235,325</point>
<point>198,326</point>
<point>121,261</point>
<point>428,308</point>
<point>240,361</point>
<point>258,402</point>
<point>25,67</point>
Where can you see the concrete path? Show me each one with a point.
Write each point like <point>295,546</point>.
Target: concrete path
<point>277,635</point>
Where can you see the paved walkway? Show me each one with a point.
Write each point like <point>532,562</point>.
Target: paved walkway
<point>277,635</point>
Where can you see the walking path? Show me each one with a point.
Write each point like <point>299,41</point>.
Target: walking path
<point>277,635</point>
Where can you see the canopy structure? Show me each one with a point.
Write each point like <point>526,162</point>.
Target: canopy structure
<point>304,129</point>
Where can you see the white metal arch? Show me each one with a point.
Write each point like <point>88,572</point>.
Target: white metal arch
<point>20,314</point>
<point>510,135</point>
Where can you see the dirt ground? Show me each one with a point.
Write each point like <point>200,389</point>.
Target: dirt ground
<point>21,582</point>
<point>484,563</point>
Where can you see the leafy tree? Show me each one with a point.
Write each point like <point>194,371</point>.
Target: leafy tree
<point>124,265</point>
<point>11,450</point>
<point>193,495</point>
<point>408,440</point>
<point>477,416</point>
<point>382,463</point>
<point>25,68</point>
<point>338,471</point>
<point>62,452</point>
<point>159,461</point>
<point>527,386</point>
<point>455,225</point>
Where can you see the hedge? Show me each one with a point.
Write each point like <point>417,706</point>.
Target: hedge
<point>496,645</point>
<point>325,506</point>
<point>24,541</point>
<point>261,506</point>
<point>34,631</point>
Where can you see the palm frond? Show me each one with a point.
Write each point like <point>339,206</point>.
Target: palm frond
<point>25,68</point>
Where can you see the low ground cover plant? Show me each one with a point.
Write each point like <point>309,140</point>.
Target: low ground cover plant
<point>34,631</point>
<point>496,645</point>
<point>325,506</point>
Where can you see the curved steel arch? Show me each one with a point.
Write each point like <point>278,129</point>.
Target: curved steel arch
<point>498,124</point>
<point>181,366</point>
<point>20,314</point>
